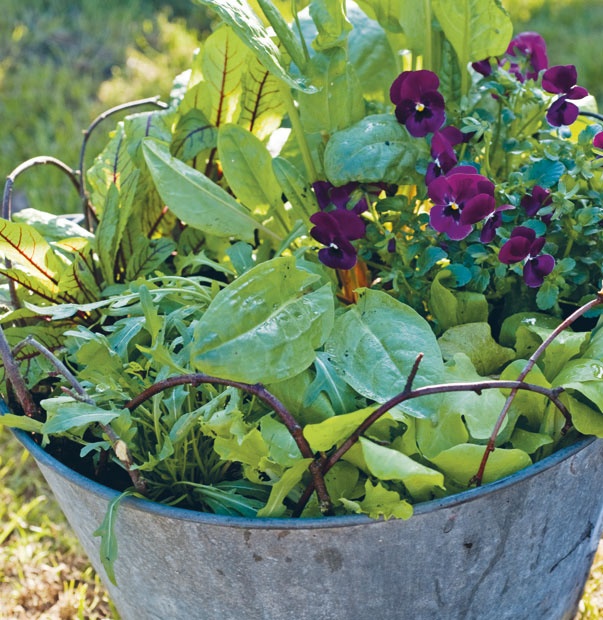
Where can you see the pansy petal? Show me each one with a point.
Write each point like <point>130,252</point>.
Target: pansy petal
<point>535,270</point>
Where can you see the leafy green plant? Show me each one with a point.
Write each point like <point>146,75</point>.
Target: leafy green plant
<point>321,279</point>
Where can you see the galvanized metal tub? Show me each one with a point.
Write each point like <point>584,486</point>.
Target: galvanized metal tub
<point>520,548</point>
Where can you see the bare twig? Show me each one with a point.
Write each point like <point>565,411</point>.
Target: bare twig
<point>598,300</point>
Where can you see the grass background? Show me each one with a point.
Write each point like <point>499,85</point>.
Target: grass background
<point>61,64</point>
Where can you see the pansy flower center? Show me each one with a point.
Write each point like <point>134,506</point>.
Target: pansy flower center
<point>419,107</point>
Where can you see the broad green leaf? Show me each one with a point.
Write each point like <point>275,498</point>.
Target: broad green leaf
<point>584,376</point>
<point>375,344</point>
<point>455,308</point>
<point>292,476</point>
<point>530,442</point>
<point>247,166</point>
<point>338,102</point>
<point>328,382</point>
<point>196,199</point>
<point>387,464</point>
<point>252,450</point>
<point>297,394</point>
<point>462,462</point>
<point>371,55</point>
<point>565,346</point>
<point>584,418</point>
<point>262,104</point>
<point>480,411</point>
<point>377,148</point>
<point>282,448</point>
<point>528,404</point>
<point>65,414</point>
<point>324,435</point>
<point>477,29</point>
<point>106,531</point>
<point>379,502</point>
<point>245,23</point>
<point>432,437</point>
<point>475,340</point>
<point>285,7</point>
<point>508,332</point>
<point>265,326</point>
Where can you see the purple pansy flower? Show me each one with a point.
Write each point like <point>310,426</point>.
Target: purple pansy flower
<point>527,55</point>
<point>442,151</point>
<point>460,199</point>
<point>598,142</point>
<point>328,194</point>
<point>523,245</point>
<point>419,105</point>
<point>561,80</point>
<point>335,229</point>
<point>492,222</point>
<point>539,198</point>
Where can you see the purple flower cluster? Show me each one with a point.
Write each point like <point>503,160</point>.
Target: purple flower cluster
<point>526,58</point>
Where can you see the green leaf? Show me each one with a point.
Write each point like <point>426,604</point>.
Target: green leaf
<point>296,189</point>
<point>274,507</point>
<point>377,148</point>
<point>193,134</point>
<point>375,344</point>
<point>584,376</point>
<point>247,166</point>
<point>282,448</point>
<point>21,422</point>
<point>584,418</point>
<point>106,531</point>
<point>328,382</point>
<point>239,16</point>
<point>509,330</point>
<point>338,102</point>
<point>330,19</point>
<point>50,226</point>
<point>379,502</point>
<point>324,435</point>
<point>477,29</point>
<point>388,464</point>
<point>455,308</point>
<point>196,199</point>
<point>462,462</point>
<point>475,340</point>
<point>65,414</point>
<point>265,326</point>
<point>530,442</point>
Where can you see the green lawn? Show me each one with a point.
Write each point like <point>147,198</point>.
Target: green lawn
<point>61,67</point>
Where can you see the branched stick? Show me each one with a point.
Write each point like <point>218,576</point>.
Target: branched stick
<point>264,395</point>
<point>409,394</point>
<point>598,300</point>
<point>119,446</point>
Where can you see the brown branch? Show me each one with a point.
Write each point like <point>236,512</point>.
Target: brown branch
<point>490,447</point>
<point>264,395</point>
<point>119,447</point>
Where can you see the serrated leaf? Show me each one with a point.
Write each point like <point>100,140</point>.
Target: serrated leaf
<point>265,326</point>
<point>376,149</point>
<point>292,476</point>
<point>196,199</point>
<point>380,502</point>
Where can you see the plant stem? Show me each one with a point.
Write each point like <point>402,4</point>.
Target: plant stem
<point>477,479</point>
